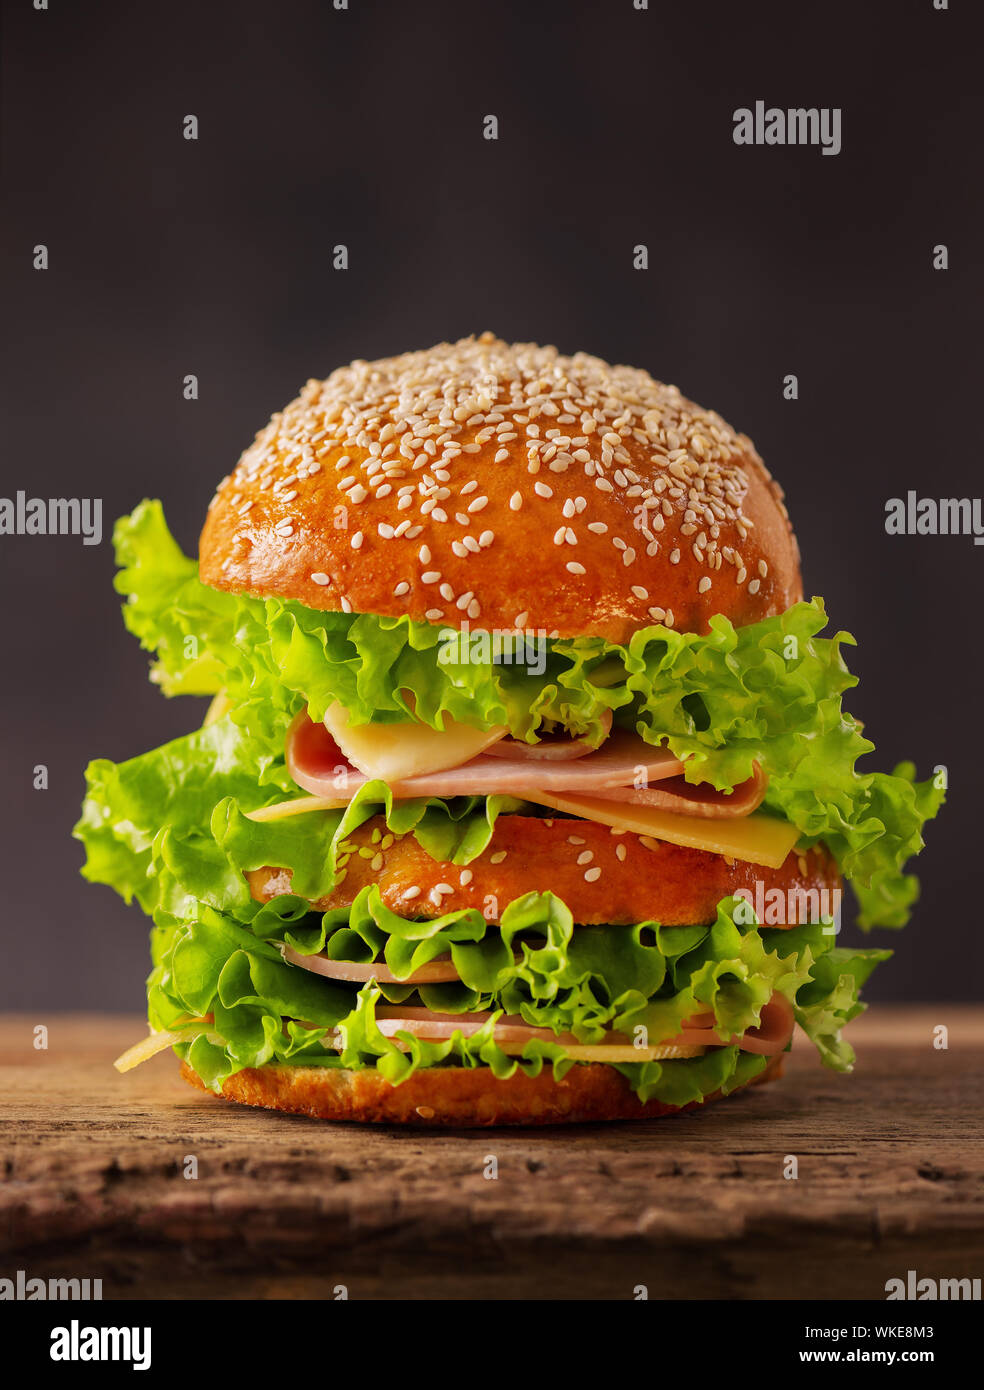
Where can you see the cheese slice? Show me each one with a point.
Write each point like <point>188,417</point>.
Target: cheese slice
<point>220,706</point>
<point>395,752</point>
<point>282,809</point>
<point>158,1042</point>
<point>757,839</point>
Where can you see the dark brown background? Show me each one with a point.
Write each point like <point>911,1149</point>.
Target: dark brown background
<point>365,127</point>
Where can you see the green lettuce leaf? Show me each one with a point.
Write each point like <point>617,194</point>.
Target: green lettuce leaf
<point>174,787</point>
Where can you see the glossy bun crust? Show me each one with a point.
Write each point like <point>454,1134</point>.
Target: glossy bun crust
<point>510,487</point>
<point>458,1097</point>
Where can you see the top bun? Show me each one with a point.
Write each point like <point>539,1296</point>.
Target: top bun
<point>503,486</point>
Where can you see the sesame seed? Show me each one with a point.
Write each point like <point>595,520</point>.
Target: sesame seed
<point>402,588</point>
<point>754,586</point>
<point>575,568</point>
<point>320,578</point>
<point>521,619</point>
<point>498,857</point>
<point>465,877</point>
<point>385,530</point>
<point>413,892</point>
<point>586,857</point>
<point>502,455</point>
<point>478,504</point>
<point>516,501</point>
<point>356,541</point>
<point>592,875</point>
<point>430,576</point>
<point>346,606</point>
<point>620,852</point>
<point>640,592</point>
<point>598,527</point>
<point>486,538</point>
<point>424,554</point>
<point>704,585</point>
<point>433,614</point>
<point>542,490</point>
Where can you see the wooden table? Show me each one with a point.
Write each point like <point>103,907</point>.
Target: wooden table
<point>890,1178</point>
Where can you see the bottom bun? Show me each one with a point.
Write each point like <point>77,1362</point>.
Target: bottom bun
<point>454,1096</point>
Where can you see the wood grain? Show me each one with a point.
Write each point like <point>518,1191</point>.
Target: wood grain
<point>890,1178</point>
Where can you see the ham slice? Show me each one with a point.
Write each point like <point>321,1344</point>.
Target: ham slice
<point>771,1037</point>
<point>694,798</point>
<point>438,971</point>
<point>318,765</point>
<point>550,748</point>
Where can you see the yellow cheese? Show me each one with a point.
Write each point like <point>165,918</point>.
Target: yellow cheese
<point>282,809</point>
<point>395,752</point>
<point>158,1042</point>
<point>757,839</point>
<point>220,706</point>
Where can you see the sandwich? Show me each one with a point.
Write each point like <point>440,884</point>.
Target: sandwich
<point>525,794</point>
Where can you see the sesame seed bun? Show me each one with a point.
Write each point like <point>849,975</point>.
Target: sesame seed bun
<point>603,878</point>
<point>510,487</point>
<point>461,1097</point>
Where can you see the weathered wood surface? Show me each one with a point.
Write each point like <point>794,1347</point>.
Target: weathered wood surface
<point>890,1162</point>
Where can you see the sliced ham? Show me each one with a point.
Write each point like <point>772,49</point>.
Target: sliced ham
<point>318,765</point>
<point>438,971</point>
<point>551,748</point>
<point>694,798</point>
<point>771,1036</point>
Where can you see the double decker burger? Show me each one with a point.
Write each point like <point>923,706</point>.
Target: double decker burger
<point>525,791</point>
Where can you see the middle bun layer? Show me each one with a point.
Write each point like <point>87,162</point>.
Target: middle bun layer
<point>602,877</point>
